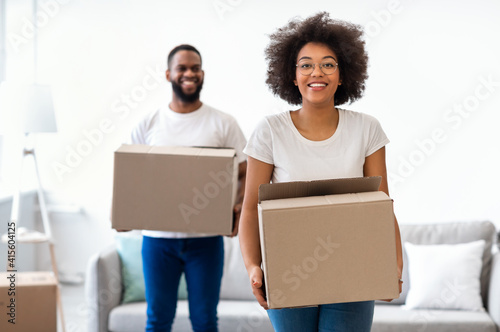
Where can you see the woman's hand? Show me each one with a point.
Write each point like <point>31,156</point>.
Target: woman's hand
<point>258,287</point>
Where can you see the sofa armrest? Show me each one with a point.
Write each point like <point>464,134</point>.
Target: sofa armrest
<point>494,291</point>
<point>103,288</point>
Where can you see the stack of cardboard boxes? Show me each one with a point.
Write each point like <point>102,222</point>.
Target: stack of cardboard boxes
<point>28,302</point>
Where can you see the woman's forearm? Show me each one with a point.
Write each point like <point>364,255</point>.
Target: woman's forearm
<point>250,238</point>
<point>258,173</point>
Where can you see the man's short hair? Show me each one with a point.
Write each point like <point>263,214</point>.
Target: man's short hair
<point>182,47</point>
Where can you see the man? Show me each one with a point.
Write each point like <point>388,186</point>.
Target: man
<point>186,121</point>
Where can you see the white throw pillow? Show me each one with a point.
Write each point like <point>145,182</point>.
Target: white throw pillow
<point>445,276</point>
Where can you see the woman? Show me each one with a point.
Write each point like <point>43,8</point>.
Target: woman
<point>319,64</point>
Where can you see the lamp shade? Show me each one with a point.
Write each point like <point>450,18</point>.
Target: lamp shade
<point>38,110</point>
<point>26,109</point>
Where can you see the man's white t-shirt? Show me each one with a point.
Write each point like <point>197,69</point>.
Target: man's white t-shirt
<point>204,127</point>
<point>277,141</point>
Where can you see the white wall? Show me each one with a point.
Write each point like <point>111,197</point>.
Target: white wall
<point>427,60</point>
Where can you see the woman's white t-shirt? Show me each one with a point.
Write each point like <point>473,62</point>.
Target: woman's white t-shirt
<point>277,141</point>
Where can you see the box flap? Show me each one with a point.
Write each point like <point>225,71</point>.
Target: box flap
<point>35,278</point>
<point>318,187</point>
<point>311,201</point>
<point>133,148</point>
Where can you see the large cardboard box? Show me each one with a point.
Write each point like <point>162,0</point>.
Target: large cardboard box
<point>182,189</point>
<point>327,241</point>
<point>28,302</point>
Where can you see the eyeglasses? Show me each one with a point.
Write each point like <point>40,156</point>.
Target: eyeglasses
<point>307,67</point>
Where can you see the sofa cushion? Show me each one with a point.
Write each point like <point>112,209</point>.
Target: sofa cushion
<point>393,318</point>
<point>129,246</point>
<point>445,276</point>
<point>129,251</point>
<point>246,316</point>
<point>449,233</point>
<point>233,316</point>
<point>128,317</point>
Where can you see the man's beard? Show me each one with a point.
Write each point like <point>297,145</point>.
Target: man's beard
<point>191,98</point>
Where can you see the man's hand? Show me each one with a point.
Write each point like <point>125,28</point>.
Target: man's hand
<point>236,219</point>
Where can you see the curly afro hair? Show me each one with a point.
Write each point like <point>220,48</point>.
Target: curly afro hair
<point>343,38</point>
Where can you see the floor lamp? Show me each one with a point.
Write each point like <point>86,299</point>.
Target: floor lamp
<point>36,112</point>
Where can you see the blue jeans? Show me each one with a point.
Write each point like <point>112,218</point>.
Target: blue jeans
<point>164,260</point>
<point>337,317</point>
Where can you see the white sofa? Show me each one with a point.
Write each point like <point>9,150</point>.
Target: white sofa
<point>239,312</point>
